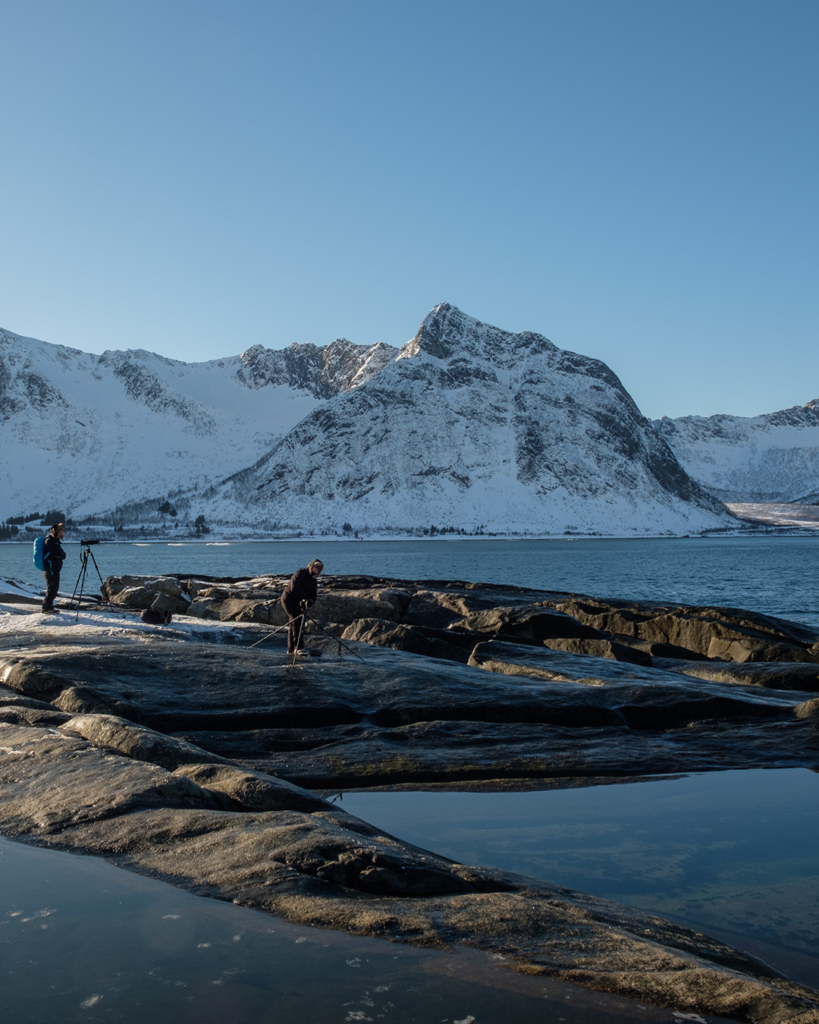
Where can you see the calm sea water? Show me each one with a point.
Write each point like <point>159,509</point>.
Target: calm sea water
<point>731,854</point>
<point>81,941</point>
<point>776,575</point>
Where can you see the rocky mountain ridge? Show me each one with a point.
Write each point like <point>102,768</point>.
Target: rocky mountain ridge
<point>768,458</point>
<point>90,432</point>
<point>466,427</point>
<point>474,428</point>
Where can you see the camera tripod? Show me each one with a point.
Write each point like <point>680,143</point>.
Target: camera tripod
<point>86,554</point>
<point>305,618</point>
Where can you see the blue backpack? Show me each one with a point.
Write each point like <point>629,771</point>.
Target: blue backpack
<point>38,553</point>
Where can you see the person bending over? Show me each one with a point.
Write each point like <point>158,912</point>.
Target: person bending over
<point>53,558</point>
<point>300,593</point>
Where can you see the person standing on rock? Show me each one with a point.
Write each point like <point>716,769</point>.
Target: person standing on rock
<point>53,558</point>
<point>299,594</point>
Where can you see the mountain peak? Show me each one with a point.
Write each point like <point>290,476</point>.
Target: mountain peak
<point>446,332</point>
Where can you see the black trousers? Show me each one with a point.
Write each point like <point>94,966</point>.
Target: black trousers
<point>294,624</point>
<point>52,581</point>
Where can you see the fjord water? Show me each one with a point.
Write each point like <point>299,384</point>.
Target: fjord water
<point>772,574</point>
<point>732,853</point>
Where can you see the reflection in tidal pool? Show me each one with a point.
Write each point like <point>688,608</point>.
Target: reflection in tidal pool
<point>729,853</point>
<point>81,941</point>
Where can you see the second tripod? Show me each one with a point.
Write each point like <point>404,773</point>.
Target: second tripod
<point>86,555</point>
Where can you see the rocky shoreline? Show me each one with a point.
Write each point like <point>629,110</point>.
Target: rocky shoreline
<point>188,755</point>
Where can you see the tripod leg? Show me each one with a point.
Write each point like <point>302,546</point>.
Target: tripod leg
<point>81,585</point>
<point>337,639</point>
<point>298,641</point>
<point>91,553</point>
<point>77,584</point>
<point>267,637</point>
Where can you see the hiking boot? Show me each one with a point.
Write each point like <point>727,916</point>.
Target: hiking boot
<point>51,611</point>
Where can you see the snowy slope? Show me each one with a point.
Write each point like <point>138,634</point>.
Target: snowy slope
<point>471,427</point>
<point>84,433</point>
<point>770,458</point>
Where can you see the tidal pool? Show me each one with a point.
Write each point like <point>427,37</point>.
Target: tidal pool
<point>732,854</point>
<point>82,941</point>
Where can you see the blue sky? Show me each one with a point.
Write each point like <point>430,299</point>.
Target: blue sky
<point>635,179</point>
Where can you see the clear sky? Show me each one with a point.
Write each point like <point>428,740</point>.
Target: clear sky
<point>635,179</point>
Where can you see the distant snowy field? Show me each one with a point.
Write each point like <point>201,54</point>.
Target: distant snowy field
<point>774,514</point>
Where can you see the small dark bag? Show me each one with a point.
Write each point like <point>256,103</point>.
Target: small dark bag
<point>154,617</point>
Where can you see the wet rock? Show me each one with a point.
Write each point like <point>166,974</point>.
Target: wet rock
<point>179,756</point>
<point>515,614</point>
<point>601,648</point>
<point>20,714</point>
<point>328,869</point>
<point>10,697</point>
<point>658,651</point>
<point>163,593</point>
<point>526,623</point>
<point>18,710</point>
<point>434,608</point>
<point>135,741</point>
<point>748,648</point>
<point>414,639</point>
<point>775,675</point>
<point>247,790</point>
<point>648,699</point>
<point>30,677</point>
<point>77,700</point>
<point>731,634</point>
<point>235,609</point>
<point>808,709</point>
<point>346,607</point>
<point>169,603</point>
<point>395,717</point>
<point>75,783</point>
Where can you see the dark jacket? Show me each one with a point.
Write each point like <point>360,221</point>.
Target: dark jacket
<point>302,587</point>
<point>53,555</point>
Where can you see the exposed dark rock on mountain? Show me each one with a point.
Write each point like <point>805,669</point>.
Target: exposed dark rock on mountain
<point>323,372</point>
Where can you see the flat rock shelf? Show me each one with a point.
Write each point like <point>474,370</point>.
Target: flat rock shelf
<point>186,754</point>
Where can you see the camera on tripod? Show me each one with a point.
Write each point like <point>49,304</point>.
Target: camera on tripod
<point>86,555</point>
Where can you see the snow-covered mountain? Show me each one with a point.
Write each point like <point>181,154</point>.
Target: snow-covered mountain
<point>85,433</point>
<point>770,458</point>
<point>469,427</point>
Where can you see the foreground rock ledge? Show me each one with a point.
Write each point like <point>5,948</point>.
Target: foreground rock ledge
<point>228,832</point>
<point>181,753</point>
<point>517,711</point>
